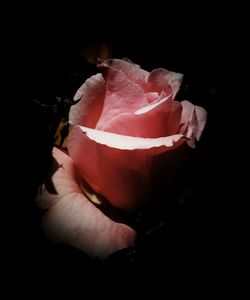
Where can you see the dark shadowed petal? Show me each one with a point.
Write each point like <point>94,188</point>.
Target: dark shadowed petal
<point>89,109</point>
<point>122,96</point>
<point>71,218</point>
<point>124,169</point>
<point>163,80</point>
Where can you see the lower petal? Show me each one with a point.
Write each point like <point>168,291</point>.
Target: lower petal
<point>71,218</point>
<point>127,178</point>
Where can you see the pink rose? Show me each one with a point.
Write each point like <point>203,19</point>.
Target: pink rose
<point>129,134</point>
<point>127,140</point>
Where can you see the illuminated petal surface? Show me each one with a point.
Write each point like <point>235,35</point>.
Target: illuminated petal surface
<point>125,170</point>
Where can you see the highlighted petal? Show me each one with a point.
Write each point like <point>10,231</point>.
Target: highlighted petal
<point>160,119</point>
<point>151,106</point>
<point>128,142</point>
<point>125,170</point>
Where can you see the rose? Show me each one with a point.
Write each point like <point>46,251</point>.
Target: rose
<point>127,141</point>
<point>129,134</point>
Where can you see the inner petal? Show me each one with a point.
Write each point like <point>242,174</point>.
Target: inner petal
<point>162,120</point>
<point>152,96</point>
<point>164,80</point>
<point>122,96</point>
<point>131,70</point>
<point>155,97</point>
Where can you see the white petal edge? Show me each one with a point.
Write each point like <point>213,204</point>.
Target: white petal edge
<point>151,106</point>
<point>124,142</point>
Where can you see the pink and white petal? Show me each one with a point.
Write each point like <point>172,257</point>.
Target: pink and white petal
<point>123,169</point>
<point>123,142</point>
<point>131,70</point>
<point>201,119</point>
<point>122,96</point>
<point>187,111</point>
<point>71,218</point>
<point>89,109</point>
<point>163,80</point>
<point>137,126</point>
<point>192,129</point>
<point>160,121</point>
<point>174,118</point>
<point>193,120</point>
<point>158,103</point>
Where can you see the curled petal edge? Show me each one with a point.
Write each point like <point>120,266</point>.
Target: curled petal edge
<point>151,106</point>
<point>124,142</point>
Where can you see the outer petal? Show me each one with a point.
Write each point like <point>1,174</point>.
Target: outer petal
<point>71,218</point>
<point>187,111</point>
<point>89,109</point>
<point>131,70</point>
<point>164,80</point>
<point>193,121</point>
<point>122,96</point>
<point>125,170</point>
<point>201,119</point>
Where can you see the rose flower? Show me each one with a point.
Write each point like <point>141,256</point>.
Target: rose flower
<point>127,140</point>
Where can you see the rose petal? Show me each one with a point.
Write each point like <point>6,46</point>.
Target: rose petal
<point>187,110</point>
<point>161,120</point>
<point>124,142</point>
<point>131,70</point>
<point>125,170</point>
<point>201,119</point>
<point>71,218</point>
<point>192,129</point>
<point>164,80</point>
<point>122,96</point>
<point>153,105</point>
<point>152,97</point>
<point>193,121</point>
<point>89,109</point>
